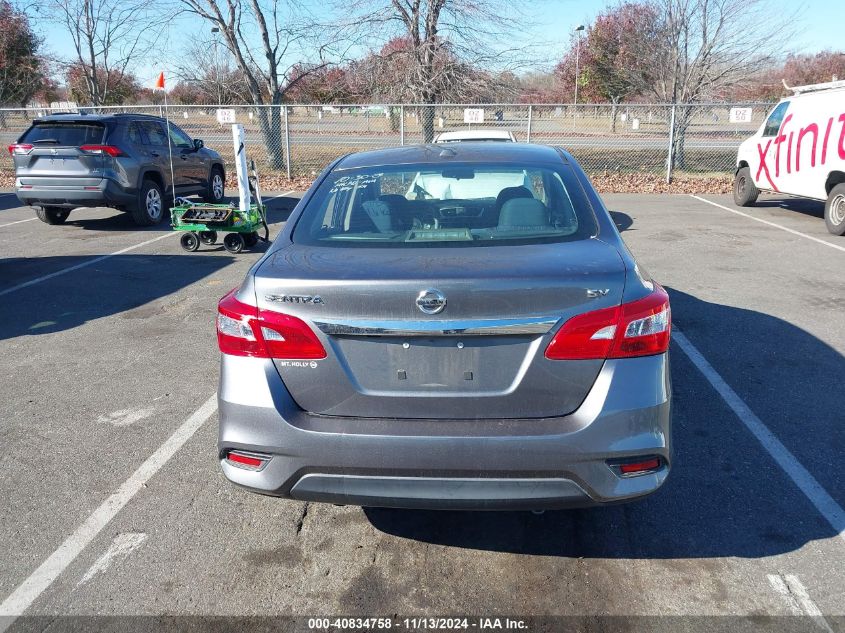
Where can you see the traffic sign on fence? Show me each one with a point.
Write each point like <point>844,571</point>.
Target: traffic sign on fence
<point>740,115</point>
<point>225,116</point>
<point>473,115</point>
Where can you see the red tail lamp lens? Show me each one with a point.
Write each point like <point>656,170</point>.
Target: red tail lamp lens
<point>637,328</point>
<point>244,330</point>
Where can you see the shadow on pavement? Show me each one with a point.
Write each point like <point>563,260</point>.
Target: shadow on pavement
<point>10,201</point>
<point>812,208</point>
<point>623,221</point>
<point>115,285</point>
<point>279,209</point>
<point>726,496</point>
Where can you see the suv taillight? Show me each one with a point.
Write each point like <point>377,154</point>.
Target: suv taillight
<point>243,330</point>
<point>638,328</point>
<point>111,150</point>
<point>20,148</point>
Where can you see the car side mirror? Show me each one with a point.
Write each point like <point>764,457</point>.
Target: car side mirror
<point>198,144</point>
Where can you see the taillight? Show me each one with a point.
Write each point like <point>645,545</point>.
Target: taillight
<point>111,150</point>
<point>243,330</point>
<point>638,328</point>
<point>20,148</point>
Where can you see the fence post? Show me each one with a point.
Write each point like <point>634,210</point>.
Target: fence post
<point>287,142</point>
<point>530,113</point>
<point>670,154</point>
<point>401,124</point>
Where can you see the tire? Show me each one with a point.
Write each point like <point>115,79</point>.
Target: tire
<point>150,209</point>
<point>208,237</point>
<point>190,241</point>
<point>52,215</point>
<point>745,191</point>
<point>234,243</point>
<point>834,210</point>
<point>250,239</point>
<point>216,188</point>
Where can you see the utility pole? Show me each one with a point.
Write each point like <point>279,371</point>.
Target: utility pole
<point>578,30</point>
<point>215,30</point>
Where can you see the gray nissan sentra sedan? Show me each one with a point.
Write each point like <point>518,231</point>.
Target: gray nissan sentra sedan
<point>456,327</point>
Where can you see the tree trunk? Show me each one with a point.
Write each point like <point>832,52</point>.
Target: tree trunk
<point>614,107</point>
<point>427,123</point>
<point>395,114</point>
<point>682,121</point>
<point>270,122</point>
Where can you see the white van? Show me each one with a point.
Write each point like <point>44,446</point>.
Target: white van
<point>799,150</point>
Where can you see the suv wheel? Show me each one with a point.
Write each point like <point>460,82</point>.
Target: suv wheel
<point>216,187</point>
<point>52,215</point>
<point>150,208</point>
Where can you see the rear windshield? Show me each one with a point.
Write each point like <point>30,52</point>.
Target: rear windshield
<point>459,204</point>
<point>64,133</point>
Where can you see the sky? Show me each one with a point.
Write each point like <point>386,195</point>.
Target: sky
<point>553,23</point>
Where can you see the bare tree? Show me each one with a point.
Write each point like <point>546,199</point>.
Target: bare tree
<point>108,37</point>
<point>275,44</point>
<point>213,78</point>
<point>704,46</point>
<point>435,44</point>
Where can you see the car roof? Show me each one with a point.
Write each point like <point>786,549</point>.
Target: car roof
<point>468,135</point>
<point>482,152</point>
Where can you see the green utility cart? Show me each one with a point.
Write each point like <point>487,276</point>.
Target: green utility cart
<point>202,222</point>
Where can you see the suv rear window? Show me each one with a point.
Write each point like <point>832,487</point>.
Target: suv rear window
<point>455,204</point>
<point>65,133</point>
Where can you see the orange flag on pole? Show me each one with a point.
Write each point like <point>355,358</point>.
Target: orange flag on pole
<point>160,82</point>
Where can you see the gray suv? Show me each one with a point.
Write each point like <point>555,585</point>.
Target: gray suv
<point>66,161</point>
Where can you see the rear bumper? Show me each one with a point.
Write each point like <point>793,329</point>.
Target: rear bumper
<point>71,193</point>
<point>460,464</point>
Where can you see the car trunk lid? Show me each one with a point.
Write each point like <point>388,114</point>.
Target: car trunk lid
<point>481,356</point>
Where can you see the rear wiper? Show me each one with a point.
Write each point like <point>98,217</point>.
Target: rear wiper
<point>46,140</point>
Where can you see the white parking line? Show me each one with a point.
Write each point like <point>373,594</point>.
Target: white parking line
<point>798,598</point>
<point>777,226</point>
<point>89,262</point>
<point>26,593</point>
<point>281,195</point>
<point>18,222</point>
<point>808,484</point>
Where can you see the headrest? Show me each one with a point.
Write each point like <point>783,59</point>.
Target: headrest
<point>523,212</point>
<point>509,193</point>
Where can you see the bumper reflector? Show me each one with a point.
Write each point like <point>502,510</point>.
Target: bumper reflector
<point>644,466</point>
<point>250,461</point>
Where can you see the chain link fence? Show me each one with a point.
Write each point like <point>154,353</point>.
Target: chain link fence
<point>299,140</point>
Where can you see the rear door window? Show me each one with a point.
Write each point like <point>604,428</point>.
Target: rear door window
<point>155,133</point>
<point>136,135</point>
<point>179,138</point>
<point>65,133</point>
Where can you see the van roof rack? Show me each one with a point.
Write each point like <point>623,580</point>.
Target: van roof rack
<point>828,85</point>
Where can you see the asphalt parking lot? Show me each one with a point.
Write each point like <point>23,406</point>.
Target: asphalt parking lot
<point>112,504</point>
